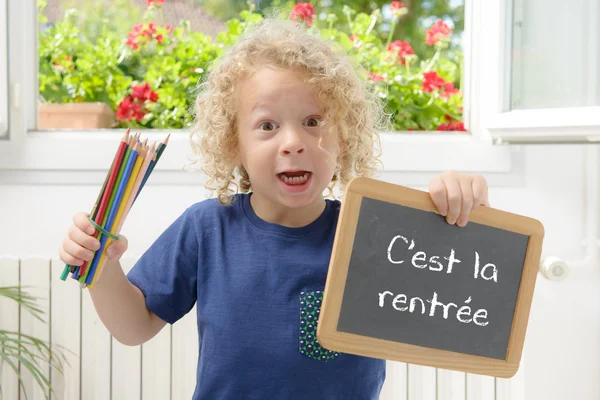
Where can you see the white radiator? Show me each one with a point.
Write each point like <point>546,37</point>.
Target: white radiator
<point>100,368</point>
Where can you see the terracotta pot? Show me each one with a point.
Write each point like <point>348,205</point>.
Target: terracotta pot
<point>75,116</point>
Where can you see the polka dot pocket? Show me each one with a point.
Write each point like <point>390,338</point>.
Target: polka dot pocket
<point>310,306</point>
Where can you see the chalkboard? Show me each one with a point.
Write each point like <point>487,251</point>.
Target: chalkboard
<point>405,285</point>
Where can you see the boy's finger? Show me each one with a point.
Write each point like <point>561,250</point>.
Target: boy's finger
<point>467,203</point>
<point>78,251</point>
<point>437,191</point>
<point>480,191</point>
<point>83,239</point>
<point>117,248</point>
<point>82,222</point>
<point>454,195</point>
<point>68,258</point>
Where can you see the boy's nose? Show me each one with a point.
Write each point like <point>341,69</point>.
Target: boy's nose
<point>288,151</point>
<point>293,144</point>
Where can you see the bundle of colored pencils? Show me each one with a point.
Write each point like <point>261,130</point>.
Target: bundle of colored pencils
<point>133,163</point>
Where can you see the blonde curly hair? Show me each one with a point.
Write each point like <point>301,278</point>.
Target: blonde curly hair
<point>350,105</point>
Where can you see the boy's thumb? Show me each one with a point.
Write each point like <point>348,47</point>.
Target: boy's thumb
<point>117,248</point>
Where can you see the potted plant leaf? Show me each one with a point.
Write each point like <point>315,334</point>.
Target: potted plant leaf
<point>21,352</point>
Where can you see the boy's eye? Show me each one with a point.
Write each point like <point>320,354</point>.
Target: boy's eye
<point>313,121</point>
<point>267,126</point>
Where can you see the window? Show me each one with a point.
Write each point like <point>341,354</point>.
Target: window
<point>552,93</point>
<point>39,65</point>
<point>132,63</point>
<point>3,73</point>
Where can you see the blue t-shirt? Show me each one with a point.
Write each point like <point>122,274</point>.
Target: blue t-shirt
<point>258,288</point>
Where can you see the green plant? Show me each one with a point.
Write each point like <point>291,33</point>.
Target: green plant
<point>150,76</point>
<point>74,67</point>
<point>21,352</point>
<point>170,62</point>
<point>419,94</point>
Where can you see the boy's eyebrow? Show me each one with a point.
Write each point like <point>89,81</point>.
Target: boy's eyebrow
<point>258,104</point>
<point>265,104</point>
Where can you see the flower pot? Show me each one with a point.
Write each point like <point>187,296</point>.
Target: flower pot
<point>75,116</point>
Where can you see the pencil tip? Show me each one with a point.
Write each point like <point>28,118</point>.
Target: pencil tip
<point>166,139</point>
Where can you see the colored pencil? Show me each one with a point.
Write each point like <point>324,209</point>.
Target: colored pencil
<point>159,151</point>
<point>131,166</point>
<point>113,212</point>
<point>71,268</point>
<point>110,206</point>
<point>118,218</point>
<point>99,217</point>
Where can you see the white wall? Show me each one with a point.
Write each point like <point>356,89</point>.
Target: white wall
<point>562,344</point>
<point>34,219</point>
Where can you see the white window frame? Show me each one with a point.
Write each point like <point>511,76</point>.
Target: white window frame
<point>64,157</point>
<point>3,72</point>
<point>553,125</point>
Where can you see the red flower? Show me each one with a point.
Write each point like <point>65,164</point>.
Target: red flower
<point>452,126</point>
<point>448,90</point>
<point>375,77</point>
<point>401,49</point>
<point>131,43</point>
<point>144,92</point>
<point>141,33</point>
<point>132,106</point>
<point>437,32</point>
<point>129,109</point>
<point>150,30</point>
<point>157,2</point>
<point>132,40</point>
<point>398,9</point>
<point>303,12</point>
<point>432,81</point>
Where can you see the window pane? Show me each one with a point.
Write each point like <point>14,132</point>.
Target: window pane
<point>555,54</point>
<point>140,60</point>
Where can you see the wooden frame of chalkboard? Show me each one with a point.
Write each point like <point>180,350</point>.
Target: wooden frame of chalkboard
<point>369,345</point>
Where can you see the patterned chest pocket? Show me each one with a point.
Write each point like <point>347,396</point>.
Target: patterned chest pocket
<point>310,307</point>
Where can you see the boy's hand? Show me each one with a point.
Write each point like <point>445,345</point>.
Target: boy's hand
<point>455,195</point>
<point>80,243</point>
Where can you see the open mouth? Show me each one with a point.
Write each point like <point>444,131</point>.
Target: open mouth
<point>294,178</point>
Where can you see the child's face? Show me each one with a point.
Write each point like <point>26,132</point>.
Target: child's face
<point>281,145</point>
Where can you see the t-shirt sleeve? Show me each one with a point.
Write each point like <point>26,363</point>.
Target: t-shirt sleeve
<point>167,272</point>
